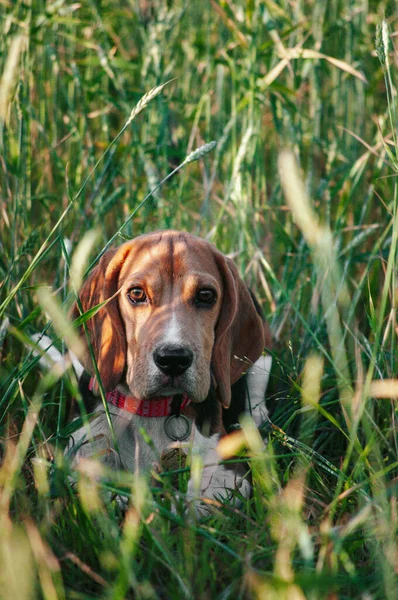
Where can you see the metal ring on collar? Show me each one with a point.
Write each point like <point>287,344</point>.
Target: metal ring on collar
<point>172,431</point>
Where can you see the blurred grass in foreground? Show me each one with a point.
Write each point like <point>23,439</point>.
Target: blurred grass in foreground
<point>314,230</point>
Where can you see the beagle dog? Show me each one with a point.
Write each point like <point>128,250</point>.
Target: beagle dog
<point>177,331</point>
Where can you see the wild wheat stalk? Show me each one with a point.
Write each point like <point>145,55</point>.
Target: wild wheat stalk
<point>145,100</point>
<point>319,238</point>
<point>199,152</point>
<point>10,74</point>
<point>192,156</point>
<point>143,103</point>
<point>136,110</point>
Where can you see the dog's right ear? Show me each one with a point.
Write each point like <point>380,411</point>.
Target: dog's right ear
<point>105,329</point>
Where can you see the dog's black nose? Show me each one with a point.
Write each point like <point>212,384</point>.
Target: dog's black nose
<point>173,360</point>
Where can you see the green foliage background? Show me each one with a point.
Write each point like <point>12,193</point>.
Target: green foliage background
<point>256,77</point>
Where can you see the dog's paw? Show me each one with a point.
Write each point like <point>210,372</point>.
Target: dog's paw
<point>219,485</point>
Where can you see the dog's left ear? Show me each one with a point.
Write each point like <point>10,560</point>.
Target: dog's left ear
<point>240,333</point>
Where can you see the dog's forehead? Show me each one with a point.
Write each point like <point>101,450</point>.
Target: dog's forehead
<point>172,254</point>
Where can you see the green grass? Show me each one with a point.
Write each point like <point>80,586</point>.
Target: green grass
<point>323,521</point>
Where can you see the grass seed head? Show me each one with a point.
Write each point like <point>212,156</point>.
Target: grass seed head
<point>10,74</point>
<point>200,152</point>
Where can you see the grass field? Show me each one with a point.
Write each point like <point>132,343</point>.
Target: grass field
<point>267,81</point>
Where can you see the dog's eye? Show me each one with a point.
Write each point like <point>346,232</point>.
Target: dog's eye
<point>136,295</point>
<point>205,297</point>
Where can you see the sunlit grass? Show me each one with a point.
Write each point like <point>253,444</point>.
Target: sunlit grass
<point>300,189</point>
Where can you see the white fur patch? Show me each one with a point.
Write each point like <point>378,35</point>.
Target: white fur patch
<point>54,357</point>
<point>172,332</point>
<point>217,482</point>
<point>257,383</point>
<point>135,454</point>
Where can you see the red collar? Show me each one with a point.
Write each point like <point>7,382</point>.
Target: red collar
<point>157,407</point>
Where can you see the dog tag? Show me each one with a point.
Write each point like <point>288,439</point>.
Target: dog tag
<point>177,428</point>
<point>172,459</point>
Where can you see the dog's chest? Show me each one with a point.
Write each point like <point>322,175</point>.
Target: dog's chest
<point>145,440</point>
<point>141,441</point>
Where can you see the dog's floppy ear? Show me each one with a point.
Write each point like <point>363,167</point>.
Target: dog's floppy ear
<point>105,328</point>
<point>240,331</point>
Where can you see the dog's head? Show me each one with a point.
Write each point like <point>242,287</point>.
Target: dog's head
<point>177,317</point>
